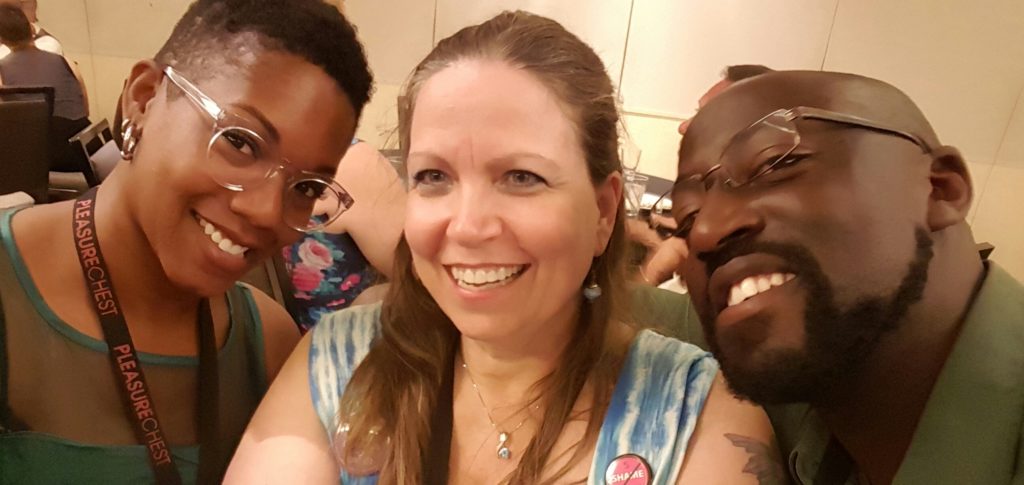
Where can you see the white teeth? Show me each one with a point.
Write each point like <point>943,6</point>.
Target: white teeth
<point>754,285</point>
<point>735,295</point>
<point>749,287</point>
<point>223,242</point>
<point>470,277</point>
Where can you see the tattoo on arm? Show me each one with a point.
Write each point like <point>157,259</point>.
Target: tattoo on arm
<point>764,462</point>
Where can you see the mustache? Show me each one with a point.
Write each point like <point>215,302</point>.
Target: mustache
<point>795,255</point>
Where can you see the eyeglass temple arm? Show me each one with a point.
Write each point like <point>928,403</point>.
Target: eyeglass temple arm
<point>203,101</point>
<point>863,123</point>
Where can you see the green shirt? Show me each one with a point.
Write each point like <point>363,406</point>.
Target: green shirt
<point>971,428</point>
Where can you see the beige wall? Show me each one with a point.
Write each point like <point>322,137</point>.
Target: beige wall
<point>961,60</point>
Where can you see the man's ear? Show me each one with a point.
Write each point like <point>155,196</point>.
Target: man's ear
<point>140,90</point>
<point>952,192</point>
<point>609,199</point>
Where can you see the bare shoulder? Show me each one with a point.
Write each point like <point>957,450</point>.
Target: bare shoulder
<point>732,444</point>
<point>285,442</point>
<point>280,333</point>
<point>37,225</point>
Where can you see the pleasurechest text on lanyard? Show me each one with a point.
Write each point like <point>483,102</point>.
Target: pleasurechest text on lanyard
<point>133,387</point>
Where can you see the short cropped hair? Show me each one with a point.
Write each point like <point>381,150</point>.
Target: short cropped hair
<point>14,25</point>
<point>740,72</point>
<point>217,33</point>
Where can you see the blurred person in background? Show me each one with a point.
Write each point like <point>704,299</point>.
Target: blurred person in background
<point>45,41</point>
<point>40,37</point>
<point>348,261</point>
<point>666,253</point>
<point>28,65</point>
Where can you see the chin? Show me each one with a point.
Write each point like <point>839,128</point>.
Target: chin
<point>484,327</point>
<point>768,375</point>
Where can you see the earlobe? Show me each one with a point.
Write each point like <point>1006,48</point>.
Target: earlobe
<point>609,200</point>
<point>951,189</point>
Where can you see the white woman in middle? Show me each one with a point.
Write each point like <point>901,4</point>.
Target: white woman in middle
<point>500,354</point>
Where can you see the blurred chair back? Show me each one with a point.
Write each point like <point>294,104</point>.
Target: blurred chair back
<point>985,249</point>
<point>99,153</point>
<point>25,117</point>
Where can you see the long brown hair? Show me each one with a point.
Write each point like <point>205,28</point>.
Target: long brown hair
<point>387,405</point>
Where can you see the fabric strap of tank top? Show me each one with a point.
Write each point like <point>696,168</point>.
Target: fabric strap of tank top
<point>125,360</point>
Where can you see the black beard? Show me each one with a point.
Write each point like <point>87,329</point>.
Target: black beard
<point>838,340</point>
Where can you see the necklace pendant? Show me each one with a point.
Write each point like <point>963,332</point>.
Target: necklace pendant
<point>503,452</point>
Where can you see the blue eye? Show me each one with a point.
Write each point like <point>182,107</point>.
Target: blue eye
<point>430,182</point>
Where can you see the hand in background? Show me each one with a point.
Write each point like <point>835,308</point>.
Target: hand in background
<point>640,232</point>
<point>664,260</point>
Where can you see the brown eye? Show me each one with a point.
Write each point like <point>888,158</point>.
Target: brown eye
<point>310,189</point>
<point>685,226</point>
<point>241,143</point>
<point>777,164</point>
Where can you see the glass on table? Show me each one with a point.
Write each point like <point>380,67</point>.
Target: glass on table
<point>635,187</point>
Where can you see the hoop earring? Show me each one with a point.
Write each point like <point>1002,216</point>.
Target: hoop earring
<point>592,290</point>
<point>129,139</point>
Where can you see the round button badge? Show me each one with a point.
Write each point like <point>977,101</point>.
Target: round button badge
<point>628,469</point>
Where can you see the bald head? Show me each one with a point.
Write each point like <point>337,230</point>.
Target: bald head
<point>748,100</point>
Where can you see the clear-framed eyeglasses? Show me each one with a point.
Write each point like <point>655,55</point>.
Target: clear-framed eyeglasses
<point>239,157</point>
<point>761,152</point>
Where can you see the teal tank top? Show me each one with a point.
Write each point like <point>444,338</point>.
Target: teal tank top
<point>65,422</point>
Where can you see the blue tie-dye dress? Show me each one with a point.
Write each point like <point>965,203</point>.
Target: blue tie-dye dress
<point>652,414</point>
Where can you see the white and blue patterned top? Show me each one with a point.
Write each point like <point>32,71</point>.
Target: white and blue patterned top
<point>653,412</point>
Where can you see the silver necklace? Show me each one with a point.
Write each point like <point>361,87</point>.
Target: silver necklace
<point>504,437</point>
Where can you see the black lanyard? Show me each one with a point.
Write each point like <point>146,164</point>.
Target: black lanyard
<point>125,361</point>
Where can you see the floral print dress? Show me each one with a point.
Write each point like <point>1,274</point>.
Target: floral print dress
<point>327,272</point>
